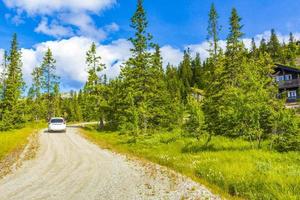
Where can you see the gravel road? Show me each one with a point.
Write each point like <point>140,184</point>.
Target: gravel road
<point>68,167</point>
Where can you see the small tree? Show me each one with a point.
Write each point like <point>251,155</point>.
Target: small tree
<point>195,125</point>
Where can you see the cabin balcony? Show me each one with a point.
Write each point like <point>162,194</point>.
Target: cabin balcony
<point>293,83</point>
<point>293,99</point>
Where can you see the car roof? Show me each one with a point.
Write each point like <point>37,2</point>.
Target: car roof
<point>56,118</point>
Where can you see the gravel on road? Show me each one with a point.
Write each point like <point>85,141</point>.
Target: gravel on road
<point>68,167</point>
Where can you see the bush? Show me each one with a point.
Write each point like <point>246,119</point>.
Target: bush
<point>195,125</point>
<point>286,135</point>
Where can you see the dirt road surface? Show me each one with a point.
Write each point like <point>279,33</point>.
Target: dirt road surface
<point>68,167</point>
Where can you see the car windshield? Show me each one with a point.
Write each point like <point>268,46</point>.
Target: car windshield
<point>56,121</point>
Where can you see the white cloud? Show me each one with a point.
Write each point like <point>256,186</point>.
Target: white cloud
<point>53,29</point>
<point>112,27</point>
<point>171,55</point>
<point>64,14</point>
<point>85,24</point>
<point>47,7</point>
<point>1,59</point>
<point>70,58</point>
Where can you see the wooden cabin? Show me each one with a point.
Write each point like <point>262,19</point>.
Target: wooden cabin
<point>288,79</point>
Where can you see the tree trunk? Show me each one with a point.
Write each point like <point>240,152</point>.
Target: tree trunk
<point>208,140</point>
<point>101,123</point>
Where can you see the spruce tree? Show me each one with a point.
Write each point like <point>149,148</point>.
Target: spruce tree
<point>291,51</point>
<point>94,88</point>
<point>213,30</point>
<point>197,72</point>
<point>274,47</point>
<point>226,86</point>
<point>56,101</point>
<point>14,85</point>
<point>48,80</point>
<point>185,74</point>
<point>142,80</point>
<point>235,50</point>
<point>39,108</point>
<point>263,46</point>
<point>253,51</point>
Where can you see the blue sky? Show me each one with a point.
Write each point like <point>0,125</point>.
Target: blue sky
<point>175,24</point>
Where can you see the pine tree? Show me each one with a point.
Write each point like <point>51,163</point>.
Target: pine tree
<point>195,125</point>
<point>173,82</point>
<point>263,46</point>
<point>38,107</point>
<point>253,51</point>
<point>185,74</point>
<point>14,85</point>
<point>142,81</point>
<point>94,88</point>
<point>163,109</point>
<point>213,30</point>
<point>274,47</point>
<point>197,72</point>
<point>235,51</point>
<point>48,80</point>
<point>56,101</point>
<point>224,89</point>
<point>291,51</point>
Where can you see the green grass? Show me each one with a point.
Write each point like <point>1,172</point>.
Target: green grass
<point>14,140</point>
<point>228,167</point>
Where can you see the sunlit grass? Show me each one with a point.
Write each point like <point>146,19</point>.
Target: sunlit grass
<point>13,140</point>
<point>227,166</point>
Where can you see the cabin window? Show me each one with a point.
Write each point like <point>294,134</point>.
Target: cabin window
<point>292,94</point>
<point>288,77</point>
<point>279,78</point>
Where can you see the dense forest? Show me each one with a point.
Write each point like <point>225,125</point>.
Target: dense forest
<point>231,93</point>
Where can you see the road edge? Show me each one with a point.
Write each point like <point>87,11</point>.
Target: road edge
<point>15,159</point>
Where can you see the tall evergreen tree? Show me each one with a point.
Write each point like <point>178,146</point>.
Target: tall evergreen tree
<point>48,80</point>
<point>94,88</point>
<point>39,108</point>
<point>254,50</point>
<point>274,47</point>
<point>14,85</point>
<point>263,46</point>
<point>142,80</point>
<point>235,50</point>
<point>56,101</point>
<point>291,51</point>
<point>185,73</point>
<point>197,72</point>
<point>213,30</point>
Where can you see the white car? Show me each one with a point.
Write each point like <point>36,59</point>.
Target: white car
<point>57,124</point>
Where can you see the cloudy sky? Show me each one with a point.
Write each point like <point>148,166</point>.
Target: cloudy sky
<point>68,27</point>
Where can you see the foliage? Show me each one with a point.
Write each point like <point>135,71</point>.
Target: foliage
<point>49,81</point>
<point>195,125</point>
<point>11,115</point>
<point>94,90</point>
<point>145,100</point>
<point>230,164</point>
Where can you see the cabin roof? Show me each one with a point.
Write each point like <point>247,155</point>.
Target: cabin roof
<point>286,68</point>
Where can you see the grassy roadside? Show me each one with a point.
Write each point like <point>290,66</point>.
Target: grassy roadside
<point>15,140</point>
<point>230,168</point>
